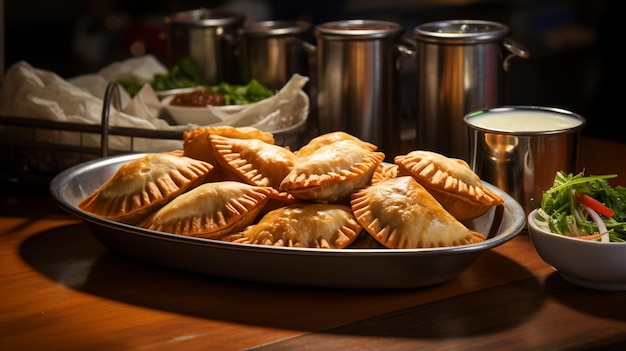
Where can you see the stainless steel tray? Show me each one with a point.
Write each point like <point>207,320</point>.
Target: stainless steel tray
<point>342,268</point>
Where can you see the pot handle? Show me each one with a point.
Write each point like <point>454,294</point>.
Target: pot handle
<point>308,47</point>
<point>516,49</point>
<point>407,48</point>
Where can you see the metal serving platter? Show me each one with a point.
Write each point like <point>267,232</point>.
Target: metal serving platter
<point>340,268</point>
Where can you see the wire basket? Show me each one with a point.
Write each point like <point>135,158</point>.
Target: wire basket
<point>30,150</point>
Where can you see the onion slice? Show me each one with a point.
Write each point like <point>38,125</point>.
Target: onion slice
<point>599,222</point>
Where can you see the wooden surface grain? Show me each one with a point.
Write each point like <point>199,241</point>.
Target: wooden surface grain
<point>60,289</point>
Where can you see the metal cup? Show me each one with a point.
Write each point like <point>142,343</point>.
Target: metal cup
<point>272,51</point>
<point>209,38</point>
<point>519,149</point>
<point>358,81</point>
<point>461,67</point>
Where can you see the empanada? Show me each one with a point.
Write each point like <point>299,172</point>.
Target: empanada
<point>142,185</point>
<point>385,171</point>
<point>329,138</point>
<point>332,172</point>
<point>252,160</point>
<point>451,181</point>
<point>210,210</point>
<point>197,145</point>
<point>303,225</point>
<point>400,214</point>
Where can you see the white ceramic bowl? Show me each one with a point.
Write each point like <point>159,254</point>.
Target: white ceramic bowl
<point>590,264</point>
<point>165,93</point>
<point>198,115</point>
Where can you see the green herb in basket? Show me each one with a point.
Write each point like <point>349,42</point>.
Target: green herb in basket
<point>243,94</point>
<point>185,74</point>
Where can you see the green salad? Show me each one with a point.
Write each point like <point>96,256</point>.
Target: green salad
<point>242,94</point>
<point>585,207</point>
<point>186,74</point>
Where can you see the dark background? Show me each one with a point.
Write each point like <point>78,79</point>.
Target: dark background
<point>573,64</point>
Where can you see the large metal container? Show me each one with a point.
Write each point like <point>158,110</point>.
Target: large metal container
<point>358,80</point>
<point>519,149</point>
<point>272,51</point>
<point>461,66</point>
<point>209,38</point>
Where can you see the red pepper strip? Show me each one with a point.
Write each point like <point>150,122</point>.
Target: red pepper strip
<point>594,205</point>
<point>588,237</point>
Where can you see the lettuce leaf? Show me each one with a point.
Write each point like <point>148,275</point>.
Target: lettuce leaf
<point>568,218</point>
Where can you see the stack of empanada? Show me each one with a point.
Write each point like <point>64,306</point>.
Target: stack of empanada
<point>235,184</point>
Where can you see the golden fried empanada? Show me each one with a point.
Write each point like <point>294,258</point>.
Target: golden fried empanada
<point>400,214</point>
<point>303,225</point>
<point>210,210</point>
<point>451,181</point>
<point>329,138</point>
<point>332,172</point>
<point>142,185</point>
<point>385,171</point>
<point>252,160</point>
<point>197,145</point>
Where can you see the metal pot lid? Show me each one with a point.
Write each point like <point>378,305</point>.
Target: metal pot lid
<point>358,29</point>
<point>461,31</point>
<point>203,17</point>
<point>275,28</point>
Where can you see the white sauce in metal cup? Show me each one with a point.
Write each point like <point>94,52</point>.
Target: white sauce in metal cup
<point>519,149</point>
<point>520,121</point>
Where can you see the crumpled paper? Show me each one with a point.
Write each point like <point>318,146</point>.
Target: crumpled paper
<point>35,93</point>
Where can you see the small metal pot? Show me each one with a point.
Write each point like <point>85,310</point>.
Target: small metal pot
<point>358,80</point>
<point>460,68</point>
<point>272,51</point>
<point>209,38</point>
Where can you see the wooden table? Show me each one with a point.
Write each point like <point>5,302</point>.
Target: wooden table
<point>60,289</point>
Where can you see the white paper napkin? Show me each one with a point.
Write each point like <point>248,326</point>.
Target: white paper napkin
<point>35,93</point>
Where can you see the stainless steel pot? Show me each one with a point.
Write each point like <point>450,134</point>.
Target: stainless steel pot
<point>209,38</point>
<point>358,80</point>
<point>272,51</point>
<point>460,68</point>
